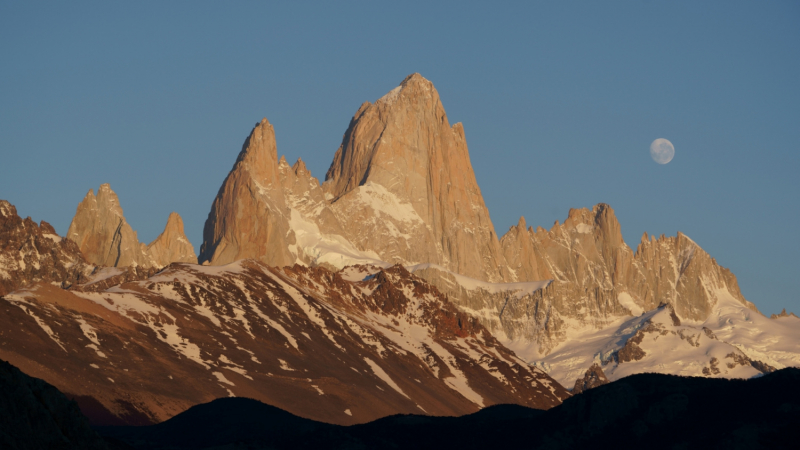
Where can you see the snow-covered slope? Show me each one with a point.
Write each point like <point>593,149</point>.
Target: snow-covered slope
<point>734,342</point>
<point>342,348</point>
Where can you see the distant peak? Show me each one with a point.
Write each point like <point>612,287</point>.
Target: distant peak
<point>415,78</point>
<point>259,153</point>
<point>602,207</point>
<point>415,83</point>
<point>299,166</point>
<point>175,221</point>
<point>7,209</point>
<point>521,224</point>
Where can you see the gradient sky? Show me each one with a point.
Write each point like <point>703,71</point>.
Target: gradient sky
<point>559,100</point>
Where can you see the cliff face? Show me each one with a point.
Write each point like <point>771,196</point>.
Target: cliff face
<point>106,239</point>
<point>249,217</point>
<point>588,251</point>
<point>403,180</point>
<point>172,245</point>
<point>598,279</point>
<point>102,233</point>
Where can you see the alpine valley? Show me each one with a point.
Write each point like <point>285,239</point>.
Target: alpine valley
<point>383,290</point>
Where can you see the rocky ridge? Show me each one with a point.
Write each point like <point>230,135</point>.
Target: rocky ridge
<point>783,313</point>
<point>598,279</point>
<point>593,377</point>
<point>383,342</point>
<point>32,253</point>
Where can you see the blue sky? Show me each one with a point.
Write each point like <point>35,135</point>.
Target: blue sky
<point>560,102</point>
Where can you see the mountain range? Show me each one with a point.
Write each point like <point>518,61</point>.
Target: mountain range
<point>382,290</point>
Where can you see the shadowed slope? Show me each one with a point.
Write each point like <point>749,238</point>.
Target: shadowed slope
<point>642,411</point>
<point>35,415</point>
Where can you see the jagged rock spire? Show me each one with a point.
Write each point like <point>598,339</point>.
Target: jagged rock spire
<point>105,238</point>
<point>249,217</point>
<point>102,233</point>
<point>172,245</point>
<point>405,174</point>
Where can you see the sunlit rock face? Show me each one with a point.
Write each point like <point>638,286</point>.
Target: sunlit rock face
<point>403,180</point>
<point>106,239</point>
<point>249,217</point>
<point>102,233</point>
<point>587,250</point>
<point>172,245</point>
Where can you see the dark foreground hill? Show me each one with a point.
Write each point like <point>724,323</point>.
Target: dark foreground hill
<point>35,415</point>
<point>642,411</point>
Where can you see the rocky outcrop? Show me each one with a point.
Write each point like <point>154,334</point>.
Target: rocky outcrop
<point>172,244</point>
<point>102,233</point>
<point>106,239</point>
<point>594,377</point>
<point>31,253</point>
<point>677,271</point>
<point>249,217</point>
<point>783,313</point>
<point>532,314</point>
<point>102,278</point>
<point>35,415</point>
<point>403,182</point>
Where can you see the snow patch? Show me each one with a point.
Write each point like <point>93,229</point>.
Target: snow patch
<point>331,249</point>
<point>24,305</point>
<point>285,365</point>
<point>311,312</point>
<point>390,96</point>
<point>221,378</point>
<point>380,373</point>
<point>626,300</point>
<point>383,202</point>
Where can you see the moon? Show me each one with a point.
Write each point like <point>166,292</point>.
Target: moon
<point>662,151</point>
